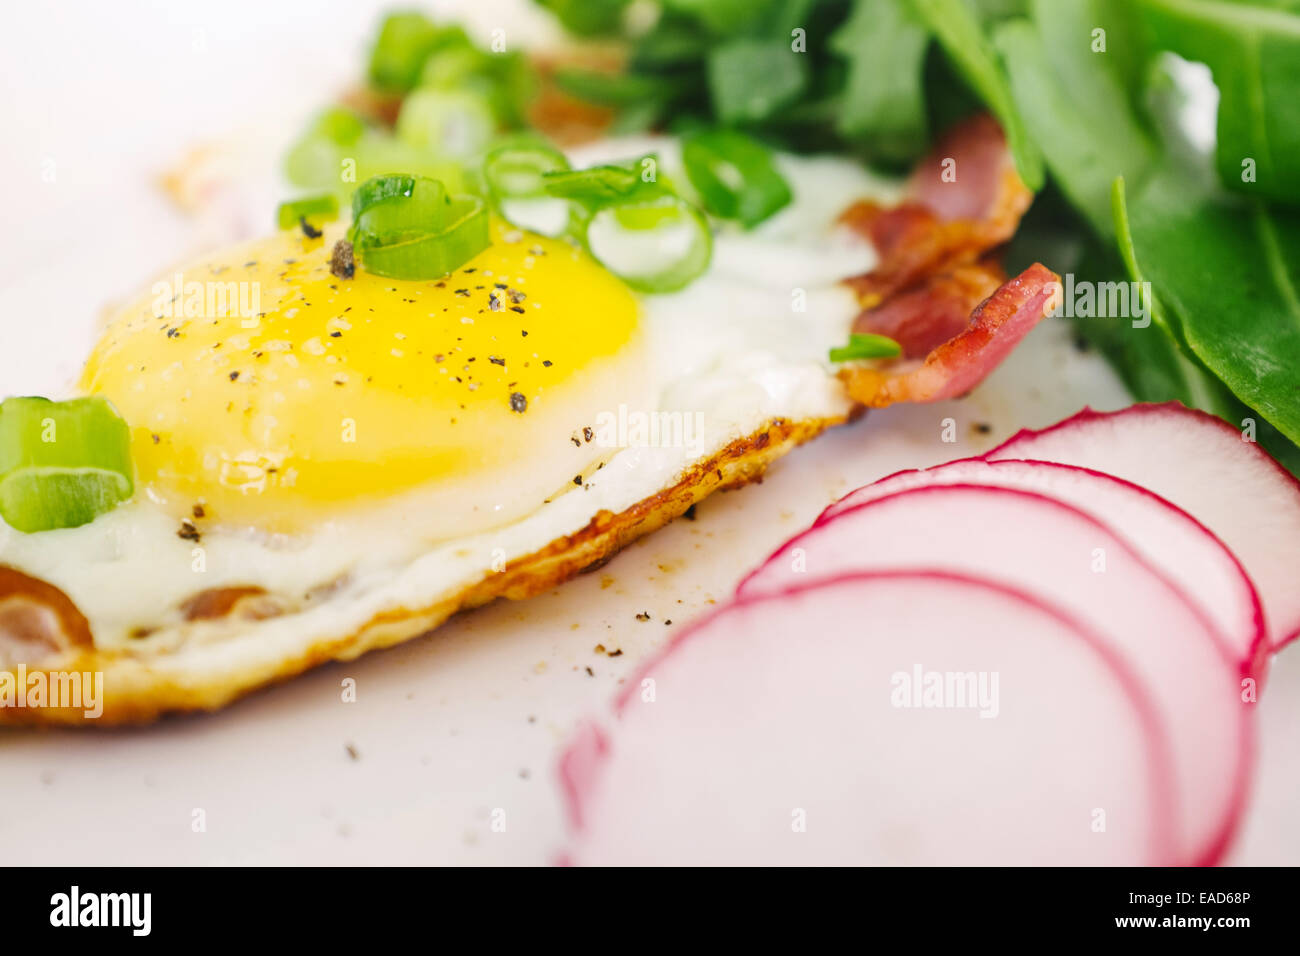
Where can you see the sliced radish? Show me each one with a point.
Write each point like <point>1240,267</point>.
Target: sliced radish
<point>1031,541</point>
<point>1203,465</point>
<point>778,731</point>
<point>1174,542</point>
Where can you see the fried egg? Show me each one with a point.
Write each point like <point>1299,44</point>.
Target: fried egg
<point>326,465</point>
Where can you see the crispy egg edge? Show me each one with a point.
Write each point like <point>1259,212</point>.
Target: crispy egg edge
<point>137,693</point>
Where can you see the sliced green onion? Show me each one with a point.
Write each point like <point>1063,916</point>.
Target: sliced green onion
<point>378,189</point>
<point>596,186</point>
<point>653,240</point>
<point>379,152</point>
<point>506,82</point>
<point>735,176</point>
<point>399,197</point>
<point>312,208</point>
<point>405,41</point>
<point>616,89</point>
<point>62,464</point>
<point>436,253</point>
<point>516,168</point>
<point>514,174</point>
<point>449,124</point>
<point>407,227</point>
<point>314,159</point>
<point>864,345</point>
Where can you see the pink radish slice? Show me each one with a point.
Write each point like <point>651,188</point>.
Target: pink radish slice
<point>776,731</point>
<point>1027,540</point>
<point>1171,540</point>
<point>1203,465</point>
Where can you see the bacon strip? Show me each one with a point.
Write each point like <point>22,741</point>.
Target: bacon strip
<point>938,309</point>
<point>934,272</point>
<point>964,199</point>
<point>38,622</point>
<point>958,364</point>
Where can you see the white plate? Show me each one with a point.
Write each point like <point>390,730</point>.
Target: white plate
<point>447,755</point>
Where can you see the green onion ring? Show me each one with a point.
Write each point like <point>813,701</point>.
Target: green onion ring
<point>318,208</point>
<point>735,176</point>
<point>654,240</point>
<point>515,174</point>
<point>866,345</point>
<point>433,253</point>
<point>62,464</point>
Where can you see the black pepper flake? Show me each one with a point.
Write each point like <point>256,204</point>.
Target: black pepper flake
<point>336,335</point>
<point>577,480</point>
<point>463,293</point>
<point>234,375</point>
<point>524,333</point>
<point>198,511</point>
<point>588,434</point>
<point>308,230</point>
<point>497,360</point>
<point>517,308</point>
<point>518,403</point>
<point>173,332</point>
<point>187,531</point>
<point>983,428</point>
<point>546,362</point>
<point>341,262</point>
<point>643,616</point>
<point>590,672</point>
<point>156,437</point>
<point>617,653</point>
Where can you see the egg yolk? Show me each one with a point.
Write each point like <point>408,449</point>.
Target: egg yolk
<point>269,391</point>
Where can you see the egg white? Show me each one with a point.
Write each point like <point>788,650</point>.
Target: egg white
<point>743,345</point>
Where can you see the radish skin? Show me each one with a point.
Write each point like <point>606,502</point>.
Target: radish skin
<point>1171,540</point>
<point>1032,541</point>
<point>1203,465</point>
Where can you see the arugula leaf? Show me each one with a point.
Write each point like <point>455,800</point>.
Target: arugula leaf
<point>750,79</point>
<point>958,31</point>
<point>883,103</point>
<point>1074,104</point>
<point>1229,272</point>
<point>722,17</point>
<point>1254,54</point>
